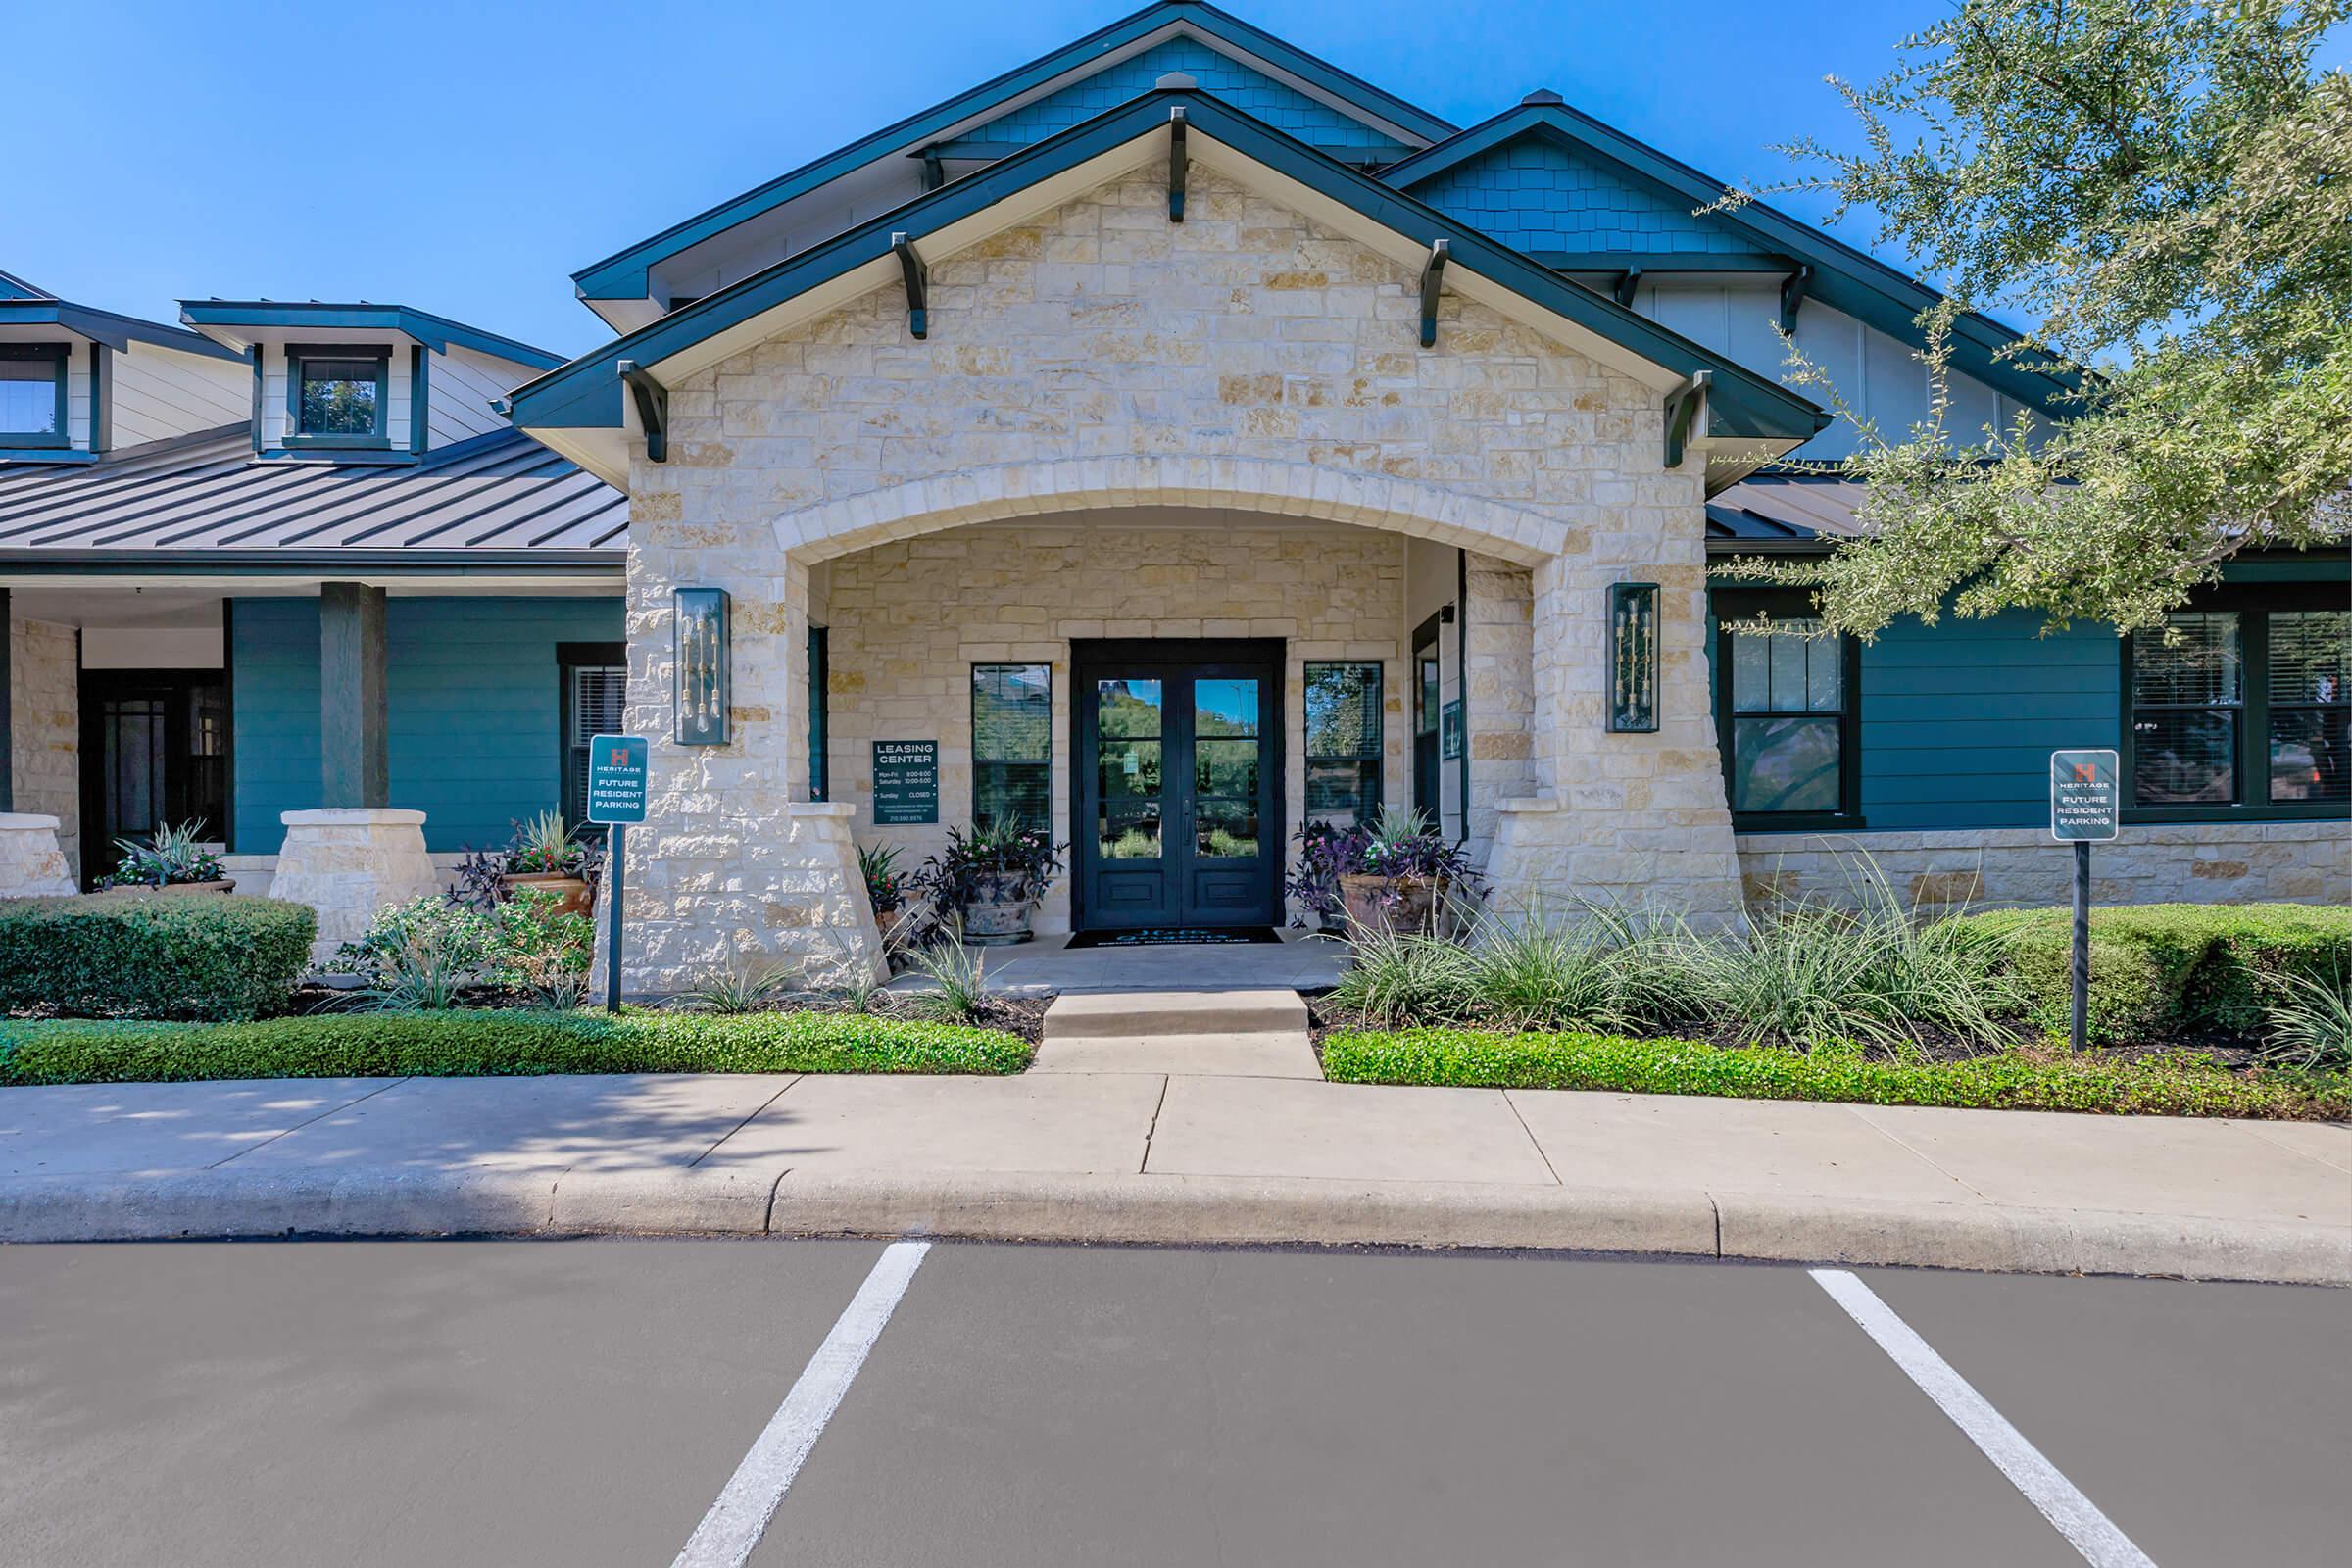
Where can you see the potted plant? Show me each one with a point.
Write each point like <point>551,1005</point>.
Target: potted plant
<point>171,862</point>
<point>1314,885</point>
<point>991,879</point>
<point>545,854</point>
<point>1400,875</point>
<point>885,883</point>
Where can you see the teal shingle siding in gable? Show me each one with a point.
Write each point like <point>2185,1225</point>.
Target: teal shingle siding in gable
<point>473,706</point>
<point>1535,195</point>
<point>1261,96</point>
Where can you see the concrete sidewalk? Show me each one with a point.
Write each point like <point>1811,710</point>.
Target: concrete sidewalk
<point>1148,1156</point>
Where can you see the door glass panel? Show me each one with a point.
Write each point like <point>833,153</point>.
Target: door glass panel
<point>1128,781</point>
<point>134,728</point>
<point>1225,782</point>
<point>1226,830</point>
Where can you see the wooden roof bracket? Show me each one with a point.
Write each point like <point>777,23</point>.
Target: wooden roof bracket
<point>1179,165</point>
<point>918,285</point>
<point>1433,275</point>
<point>653,409</point>
<point>1682,414</point>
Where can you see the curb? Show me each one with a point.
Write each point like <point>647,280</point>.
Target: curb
<point>1197,1210</point>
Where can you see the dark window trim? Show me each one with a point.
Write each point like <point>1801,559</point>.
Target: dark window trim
<point>375,440</point>
<point>1378,754</point>
<point>62,356</point>
<point>2252,603</point>
<point>972,719</point>
<point>1788,603</point>
<point>820,714</point>
<point>568,657</point>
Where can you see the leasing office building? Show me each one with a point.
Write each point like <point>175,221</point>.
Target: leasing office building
<point>1175,440</point>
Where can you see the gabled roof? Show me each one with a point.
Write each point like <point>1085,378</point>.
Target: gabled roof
<point>623,274</point>
<point>586,394</point>
<point>1843,277</point>
<point>236,322</point>
<point>21,304</point>
<point>200,504</point>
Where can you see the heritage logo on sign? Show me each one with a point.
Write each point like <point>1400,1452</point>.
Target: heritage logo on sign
<point>616,778</point>
<point>906,781</point>
<point>2086,797</point>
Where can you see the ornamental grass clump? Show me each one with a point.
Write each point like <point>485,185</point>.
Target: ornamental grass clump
<point>1809,974</point>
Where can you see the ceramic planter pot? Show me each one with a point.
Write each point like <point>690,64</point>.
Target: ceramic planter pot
<point>223,885</point>
<point>573,894</point>
<point>1394,903</point>
<point>996,913</point>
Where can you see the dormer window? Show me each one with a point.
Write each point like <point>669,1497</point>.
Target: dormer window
<point>338,396</point>
<point>33,395</point>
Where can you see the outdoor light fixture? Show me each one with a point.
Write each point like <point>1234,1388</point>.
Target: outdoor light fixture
<point>1633,656</point>
<point>699,653</point>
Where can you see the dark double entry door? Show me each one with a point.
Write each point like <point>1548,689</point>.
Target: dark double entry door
<point>1178,815</point>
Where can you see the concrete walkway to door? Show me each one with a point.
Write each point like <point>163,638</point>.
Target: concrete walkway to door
<point>1299,961</point>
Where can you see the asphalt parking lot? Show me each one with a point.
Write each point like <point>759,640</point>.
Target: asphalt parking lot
<point>609,1401</point>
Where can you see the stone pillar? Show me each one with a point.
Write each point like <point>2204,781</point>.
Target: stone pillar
<point>354,749</point>
<point>349,863</point>
<point>31,865</point>
<point>1631,819</point>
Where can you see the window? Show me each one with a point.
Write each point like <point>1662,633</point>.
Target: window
<point>1013,744</point>
<point>2187,700</point>
<point>1342,743</point>
<point>2241,708</point>
<point>338,396</point>
<point>1786,715</point>
<point>821,714</point>
<point>595,684</point>
<point>33,394</point>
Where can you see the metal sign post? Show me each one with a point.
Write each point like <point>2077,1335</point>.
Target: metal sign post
<point>2086,807</point>
<point>617,769</point>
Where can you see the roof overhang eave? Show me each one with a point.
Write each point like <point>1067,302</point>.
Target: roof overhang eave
<point>586,393</point>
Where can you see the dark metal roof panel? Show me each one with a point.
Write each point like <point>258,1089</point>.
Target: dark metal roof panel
<point>499,492</point>
<point>1786,508</point>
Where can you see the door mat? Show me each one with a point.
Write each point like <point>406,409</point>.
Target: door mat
<point>1169,935</point>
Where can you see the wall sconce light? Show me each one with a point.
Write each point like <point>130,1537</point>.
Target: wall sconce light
<point>1633,656</point>
<point>699,651</point>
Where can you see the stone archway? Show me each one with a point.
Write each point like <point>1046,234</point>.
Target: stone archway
<point>1277,489</point>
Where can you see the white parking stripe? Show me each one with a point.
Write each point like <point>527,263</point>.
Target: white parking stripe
<point>740,1516</point>
<point>2091,1531</point>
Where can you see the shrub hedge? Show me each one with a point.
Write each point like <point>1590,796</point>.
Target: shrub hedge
<point>151,955</point>
<point>2176,1084</point>
<point>2164,972</point>
<point>497,1042</point>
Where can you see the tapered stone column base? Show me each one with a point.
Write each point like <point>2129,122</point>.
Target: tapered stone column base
<point>31,865</point>
<point>348,863</point>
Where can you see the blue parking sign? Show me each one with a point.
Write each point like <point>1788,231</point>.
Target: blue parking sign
<point>616,778</point>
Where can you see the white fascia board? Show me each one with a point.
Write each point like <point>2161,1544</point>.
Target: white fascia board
<point>604,452</point>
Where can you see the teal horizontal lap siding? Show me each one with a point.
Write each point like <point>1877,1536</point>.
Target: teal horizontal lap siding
<point>1535,195</point>
<point>475,707</point>
<point>1284,107</point>
<point>1959,719</point>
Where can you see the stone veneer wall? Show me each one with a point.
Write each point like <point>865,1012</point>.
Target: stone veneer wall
<point>908,621</point>
<point>1247,357</point>
<point>45,687</point>
<point>2205,862</point>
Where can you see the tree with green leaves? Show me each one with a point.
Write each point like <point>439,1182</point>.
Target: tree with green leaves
<point>2165,187</point>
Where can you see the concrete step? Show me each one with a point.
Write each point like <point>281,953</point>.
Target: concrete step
<point>1144,1014</point>
<point>1267,1055</point>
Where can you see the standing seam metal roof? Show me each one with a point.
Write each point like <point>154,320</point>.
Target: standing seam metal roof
<point>497,492</point>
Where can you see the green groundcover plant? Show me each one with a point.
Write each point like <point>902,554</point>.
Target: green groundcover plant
<point>497,1042</point>
<point>2171,1084</point>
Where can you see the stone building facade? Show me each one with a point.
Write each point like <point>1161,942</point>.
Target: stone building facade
<point>1097,361</point>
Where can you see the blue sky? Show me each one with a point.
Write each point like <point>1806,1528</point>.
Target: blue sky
<point>468,158</point>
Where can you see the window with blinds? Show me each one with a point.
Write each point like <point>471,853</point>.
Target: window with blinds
<point>593,697</point>
<point>2308,669</point>
<point>1013,744</point>
<point>2187,694</point>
